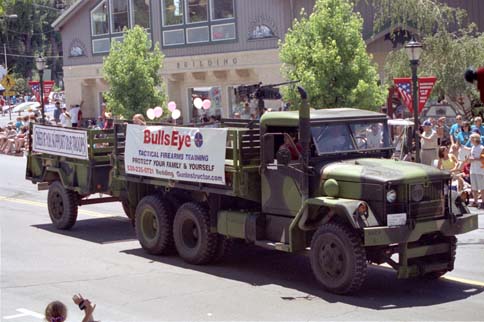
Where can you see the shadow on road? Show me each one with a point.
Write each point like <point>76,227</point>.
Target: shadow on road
<point>97,230</point>
<point>381,291</point>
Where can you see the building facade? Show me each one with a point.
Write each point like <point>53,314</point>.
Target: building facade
<point>210,46</point>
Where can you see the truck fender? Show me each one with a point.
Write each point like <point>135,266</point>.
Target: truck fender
<point>346,209</point>
<point>57,172</point>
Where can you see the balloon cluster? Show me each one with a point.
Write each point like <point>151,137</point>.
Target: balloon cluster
<point>205,104</point>
<point>157,112</point>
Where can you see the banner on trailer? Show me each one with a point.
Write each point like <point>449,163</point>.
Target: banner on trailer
<point>176,153</point>
<point>60,141</point>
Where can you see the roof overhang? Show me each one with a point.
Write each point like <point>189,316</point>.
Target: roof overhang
<point>64,17</point>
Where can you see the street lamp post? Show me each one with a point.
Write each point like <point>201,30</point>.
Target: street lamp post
<point>40,64</point>
<point>414,50</point>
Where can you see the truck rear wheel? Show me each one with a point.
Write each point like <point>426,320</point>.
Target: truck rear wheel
<point>154,221</point>
<point>338,259</point>
<point>191,231</point>
<point>62,205</point>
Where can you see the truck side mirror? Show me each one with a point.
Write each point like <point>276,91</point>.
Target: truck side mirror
<point>268,148</point>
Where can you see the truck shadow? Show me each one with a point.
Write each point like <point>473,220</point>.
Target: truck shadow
<point>97,230</point>
<point>381,291</point>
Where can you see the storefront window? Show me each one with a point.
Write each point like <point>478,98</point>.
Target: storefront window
<point>99,19</point>
<point>197,11</point>
<point>222,9</point>
<point>141,12</point>
<point>172,12</point>
<point>119,12</point>
<point>214,94</point>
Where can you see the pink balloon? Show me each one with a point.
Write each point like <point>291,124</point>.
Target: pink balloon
<point>158,111</point>
<point>171,106</point>
<point>206,104</point>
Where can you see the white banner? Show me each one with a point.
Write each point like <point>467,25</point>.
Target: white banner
<point>60,141</point>
<point>177,153</point>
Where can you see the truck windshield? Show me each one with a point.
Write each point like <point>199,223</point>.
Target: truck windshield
<point>334,138</point>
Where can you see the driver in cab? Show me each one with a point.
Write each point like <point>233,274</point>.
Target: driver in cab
<point>291,144</point>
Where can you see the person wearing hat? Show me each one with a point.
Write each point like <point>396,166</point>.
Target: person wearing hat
<point>476,159</point>
<point>428,143</point>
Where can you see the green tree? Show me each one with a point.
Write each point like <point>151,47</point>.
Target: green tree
<point>450,43</point>
<point>327,54</point>
<point>31,34</point>
<point>132,71</point>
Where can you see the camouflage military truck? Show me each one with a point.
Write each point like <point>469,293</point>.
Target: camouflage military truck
<point>334,195</point>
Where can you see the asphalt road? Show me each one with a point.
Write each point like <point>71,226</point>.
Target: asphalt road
<point>101,258</point>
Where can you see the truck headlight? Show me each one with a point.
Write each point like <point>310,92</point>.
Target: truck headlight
<point>391,196</point>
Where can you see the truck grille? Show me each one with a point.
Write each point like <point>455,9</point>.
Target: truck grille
<point>419,201</point>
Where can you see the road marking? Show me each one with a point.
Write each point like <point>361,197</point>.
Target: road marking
<point>24,312</point>
<point>445,277</point>
<point>43,204</point>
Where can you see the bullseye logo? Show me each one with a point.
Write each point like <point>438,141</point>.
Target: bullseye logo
<point>198,139</point>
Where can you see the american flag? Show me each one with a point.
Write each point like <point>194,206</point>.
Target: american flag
<point>404,88</point>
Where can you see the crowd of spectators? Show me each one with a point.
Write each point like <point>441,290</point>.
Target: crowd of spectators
<point>461,154</point>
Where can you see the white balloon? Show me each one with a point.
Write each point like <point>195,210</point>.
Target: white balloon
<point>175,114</point>
<point>150,113</point>
<point>198,103</point>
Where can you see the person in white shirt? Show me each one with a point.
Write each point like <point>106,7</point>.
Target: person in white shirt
<point>75,115</point>
<point>65,118</point>
<point>429,144</point>
<point>477,169</point>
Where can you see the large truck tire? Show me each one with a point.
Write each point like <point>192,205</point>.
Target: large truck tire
<point>154,222</point>
<point>450,257</point>
<point>191,231</point>
<point>62,205</point>
<point>225,246</point>
<point>338,259</point>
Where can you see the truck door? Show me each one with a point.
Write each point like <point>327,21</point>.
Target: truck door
<point>281,177</point>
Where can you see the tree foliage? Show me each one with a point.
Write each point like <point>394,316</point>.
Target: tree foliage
<point>451,44</point>
<point>31,34</point>
<point>327,54</point>
<point>132,71</point>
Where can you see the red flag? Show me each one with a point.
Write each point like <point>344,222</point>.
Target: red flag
<point>404,86</point>
<point>35,86</point>
<point>425,86</point>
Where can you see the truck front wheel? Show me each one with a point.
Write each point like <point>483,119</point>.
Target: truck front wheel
<point>338,259</point>
<point>154,220</point>
<point>191,231</point>
<point>62,205</point>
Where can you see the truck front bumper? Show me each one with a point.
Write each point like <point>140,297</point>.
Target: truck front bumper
<point>375,236</point>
